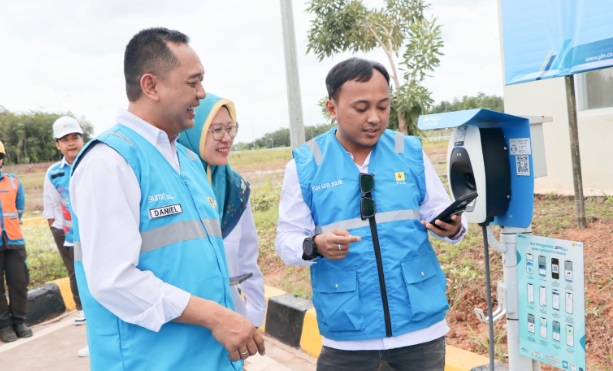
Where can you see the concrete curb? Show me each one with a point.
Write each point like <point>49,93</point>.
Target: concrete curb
<point>47,301</point>
<point>290,319</point>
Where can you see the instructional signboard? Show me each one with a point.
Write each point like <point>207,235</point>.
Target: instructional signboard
<point>551,301</point>
<point>551,38</point>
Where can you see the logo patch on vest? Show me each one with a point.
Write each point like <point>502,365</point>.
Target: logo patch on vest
<point>212,202</point>
<point>400,176</point>
<point>159,197</point>
<point>165,211</point>
<point>334,183</point>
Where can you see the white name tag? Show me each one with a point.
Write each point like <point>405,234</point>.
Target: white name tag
<point>165,211</point>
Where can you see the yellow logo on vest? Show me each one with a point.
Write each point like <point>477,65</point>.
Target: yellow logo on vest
<point>400,176</point>
<point>165,211</point>
<point>212,202</point>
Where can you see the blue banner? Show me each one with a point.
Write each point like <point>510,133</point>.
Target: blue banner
<point>551,38</point>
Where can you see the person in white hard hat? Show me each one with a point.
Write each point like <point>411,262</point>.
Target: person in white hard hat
<point>68,136</point>
<point>13,266</point>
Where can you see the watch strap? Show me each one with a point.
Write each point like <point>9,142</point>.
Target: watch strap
<point>314,253</point>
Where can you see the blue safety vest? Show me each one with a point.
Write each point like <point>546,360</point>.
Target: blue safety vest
<point>182,246</point>
<point>60,178</point>
<point>360,298</point>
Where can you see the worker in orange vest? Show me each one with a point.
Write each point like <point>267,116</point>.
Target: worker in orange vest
<point>13,267</point>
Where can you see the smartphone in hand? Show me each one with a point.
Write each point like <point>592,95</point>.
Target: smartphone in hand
<point>457,207</point>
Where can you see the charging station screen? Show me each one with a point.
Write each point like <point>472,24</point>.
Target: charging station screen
<point>551,301</point>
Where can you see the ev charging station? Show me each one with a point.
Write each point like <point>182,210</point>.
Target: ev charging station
<point>495,155</point>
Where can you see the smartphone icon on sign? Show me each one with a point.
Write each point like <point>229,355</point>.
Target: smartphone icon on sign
<point>543,324</point>
<point>530,293</point>
<point>555,268</point>
<point>569,303</point>
<point>542,265</point>
<point>568,270</point>
<point>570,335</point>
<point>542,296</point>
<point>531,323</point>
<point>529,263</point>
<point>555,299</point>
<point>556,330</point>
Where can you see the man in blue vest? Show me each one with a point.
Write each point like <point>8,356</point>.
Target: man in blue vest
<point>68,136</point>
<point>353,206</point>
<point>149,255</point>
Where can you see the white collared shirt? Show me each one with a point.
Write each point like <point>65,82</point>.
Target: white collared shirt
<point>242,251</point>
<point>105,196</point>
<point>296,222</point>
<point>52,200</point>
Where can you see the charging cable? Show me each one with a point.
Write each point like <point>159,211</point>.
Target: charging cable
<point>488,290</point>
<point>497,245</point>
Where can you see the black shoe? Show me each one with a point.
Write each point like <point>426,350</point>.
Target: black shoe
<point>22,330</point>
<point>7,335</point>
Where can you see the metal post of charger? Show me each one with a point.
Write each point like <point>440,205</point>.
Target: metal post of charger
<point>517,362</point>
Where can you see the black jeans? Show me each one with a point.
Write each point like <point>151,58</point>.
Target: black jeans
<point>428,356</point>
<point>67,254</point>
<point>13,267</point>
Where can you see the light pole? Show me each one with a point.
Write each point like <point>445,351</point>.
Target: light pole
<point>296,125</point>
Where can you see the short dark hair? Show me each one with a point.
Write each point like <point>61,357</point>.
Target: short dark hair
<point>353,69</point>
<point>148,52</point>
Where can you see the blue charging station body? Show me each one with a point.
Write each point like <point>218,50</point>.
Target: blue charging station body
<point>516,131</point>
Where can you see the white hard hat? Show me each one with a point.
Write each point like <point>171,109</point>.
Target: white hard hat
<point>66,125</point>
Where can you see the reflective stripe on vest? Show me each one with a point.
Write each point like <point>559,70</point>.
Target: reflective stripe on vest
<point>312,144</point>
<point>399,142</point>
<point>389,216</point>
<point>10,214</point>
<point>182,231</point>
<point>169,234</point>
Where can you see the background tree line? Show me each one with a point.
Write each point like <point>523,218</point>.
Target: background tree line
<point>492,102</point>
<point>28,137</point>
<point>281,138</point>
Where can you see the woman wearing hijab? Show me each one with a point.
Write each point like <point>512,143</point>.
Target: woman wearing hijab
<point>211,139</point>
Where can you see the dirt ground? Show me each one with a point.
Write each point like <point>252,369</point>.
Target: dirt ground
<point>468,333</point>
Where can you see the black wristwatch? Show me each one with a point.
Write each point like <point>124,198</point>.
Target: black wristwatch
<point>309,248</point>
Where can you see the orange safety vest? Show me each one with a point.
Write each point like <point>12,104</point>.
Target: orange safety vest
<point>8,194</point>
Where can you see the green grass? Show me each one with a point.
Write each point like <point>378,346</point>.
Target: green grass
<point>263,159</point>
<point>44,261</point>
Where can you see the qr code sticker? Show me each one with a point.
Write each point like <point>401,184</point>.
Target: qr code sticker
<point>522,165</point>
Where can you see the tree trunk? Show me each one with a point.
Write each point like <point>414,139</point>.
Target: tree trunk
<point>402,124</point>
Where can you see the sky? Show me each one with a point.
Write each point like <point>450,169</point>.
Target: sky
<point>60,56</point>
